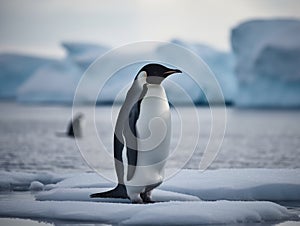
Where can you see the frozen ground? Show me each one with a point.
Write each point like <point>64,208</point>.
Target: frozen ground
<point>40,176</point>
<point>178,199</point>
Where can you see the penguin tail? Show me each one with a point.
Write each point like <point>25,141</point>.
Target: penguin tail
<point>117,192</point>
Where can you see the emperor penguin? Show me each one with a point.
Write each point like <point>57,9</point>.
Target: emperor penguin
<point>75,126</point>
<point>74,129</point>
<point>142,133</point>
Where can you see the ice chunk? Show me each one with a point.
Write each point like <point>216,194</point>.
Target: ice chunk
<point>182,213</point>
<point>237,184</point>
<point>220,212</point>
<point>69,199</point>
<point>21,181</point>
<point>83,194</point>
<point>36,186</point>
<point>230,184</point>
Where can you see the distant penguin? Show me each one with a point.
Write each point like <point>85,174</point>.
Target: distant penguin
<point>75,126</point>
<point>146,100</point>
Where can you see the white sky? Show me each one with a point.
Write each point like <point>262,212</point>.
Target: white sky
<point>38,26</point>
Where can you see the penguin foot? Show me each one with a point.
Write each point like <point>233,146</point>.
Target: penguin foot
<point>117,192</point>
<point>136,198</point>
<point>146,197</point>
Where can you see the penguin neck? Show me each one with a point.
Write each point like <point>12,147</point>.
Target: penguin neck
<point>155,90</point>
<point>153,84</point>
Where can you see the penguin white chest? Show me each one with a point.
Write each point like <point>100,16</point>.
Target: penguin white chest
<point>154,133</point>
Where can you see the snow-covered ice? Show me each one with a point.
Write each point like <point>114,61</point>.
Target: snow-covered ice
<point>238,184</point>
<point>178,213</point>
<point>240,196</point>
<point>82,194</point>
<point>268,63</point>
<point>229,184</point>
<point>36,186</point>
<point>15,181</point>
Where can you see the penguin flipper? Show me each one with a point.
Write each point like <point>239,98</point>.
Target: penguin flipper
<point>132,153</point>
<point>118,150</point>
<point>132,160</point>
<point>117,192</point>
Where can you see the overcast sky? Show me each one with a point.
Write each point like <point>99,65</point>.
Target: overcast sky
<point>38,26</point>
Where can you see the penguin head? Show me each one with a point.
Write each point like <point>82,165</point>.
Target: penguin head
<point>156,73</point>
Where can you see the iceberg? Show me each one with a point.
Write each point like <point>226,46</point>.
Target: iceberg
<point>221,63</point>
<point>54,82</point>
<point>83,54</point>
<point>15,69</point>
<point>38,80</point>
<point>268,63</point>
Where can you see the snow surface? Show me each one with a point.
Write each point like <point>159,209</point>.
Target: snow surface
<point>22,222</point>
<point>15,181</point>
<point>82,194</point>
<point>229,184</point>
<point>268,63</point>
<point>66,197</point>
<point>176,213</point>
<point>36,186</point>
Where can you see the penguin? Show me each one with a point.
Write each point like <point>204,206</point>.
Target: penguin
<point>74,128</point>
<point>145,101</point>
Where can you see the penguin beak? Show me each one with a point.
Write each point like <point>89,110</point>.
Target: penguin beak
<point>171,71</point>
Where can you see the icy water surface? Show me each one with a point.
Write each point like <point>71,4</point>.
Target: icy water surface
<point>253,139</point>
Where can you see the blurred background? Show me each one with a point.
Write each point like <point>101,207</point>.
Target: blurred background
<point>253,48</point>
